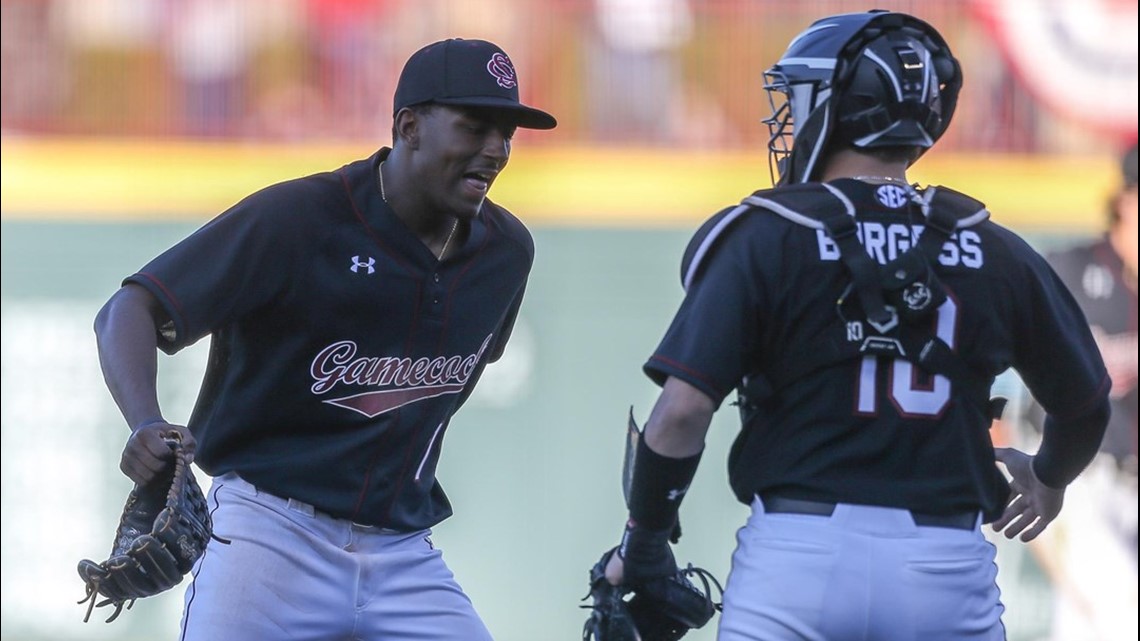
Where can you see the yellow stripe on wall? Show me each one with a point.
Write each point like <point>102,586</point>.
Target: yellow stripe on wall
<point>133,180</point>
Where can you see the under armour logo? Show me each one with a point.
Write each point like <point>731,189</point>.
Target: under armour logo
<point>675,495</point>
<point>358,264</point>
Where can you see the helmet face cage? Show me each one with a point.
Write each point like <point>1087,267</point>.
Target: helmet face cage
<point>874,79</point>
<point>791,104</point>
<point>781,127</point>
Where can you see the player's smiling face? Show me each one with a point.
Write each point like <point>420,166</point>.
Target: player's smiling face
<point>461,152</point>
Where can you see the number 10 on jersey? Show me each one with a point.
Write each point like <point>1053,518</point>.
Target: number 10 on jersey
<point>912,394</point>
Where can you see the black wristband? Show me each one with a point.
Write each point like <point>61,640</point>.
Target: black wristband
<point>658,485</point>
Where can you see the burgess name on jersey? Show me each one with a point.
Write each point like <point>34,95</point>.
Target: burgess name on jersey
<point>886,241</point>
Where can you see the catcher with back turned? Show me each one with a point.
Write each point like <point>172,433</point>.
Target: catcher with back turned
<point>351,314</point>
<point>861,321</point>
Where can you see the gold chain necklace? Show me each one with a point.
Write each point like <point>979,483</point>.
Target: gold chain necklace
<point>384,196</point>
<point>454,226</point>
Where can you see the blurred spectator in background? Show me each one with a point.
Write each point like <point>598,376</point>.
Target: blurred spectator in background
<point>210,45</point>
<point>1102,276</point>
<point>634,72</point>
<point>34,62</point>
<point>353,65</point>
<point>1091,555</point>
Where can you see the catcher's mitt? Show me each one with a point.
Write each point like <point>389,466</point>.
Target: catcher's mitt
<point>163,531</point>
<point>661,609</point>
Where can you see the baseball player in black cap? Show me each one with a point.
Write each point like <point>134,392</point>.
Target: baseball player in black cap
<point>1102,276</point>
<point>861,320</point>
<point>351,314</point>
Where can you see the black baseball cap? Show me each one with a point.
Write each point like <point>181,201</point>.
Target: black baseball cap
<point>1128,166</point>
<point>473,73</point>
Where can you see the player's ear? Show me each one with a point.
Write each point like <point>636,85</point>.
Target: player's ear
<point>406,127</point>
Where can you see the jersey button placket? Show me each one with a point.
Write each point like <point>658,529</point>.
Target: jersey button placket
<point>436,289</point>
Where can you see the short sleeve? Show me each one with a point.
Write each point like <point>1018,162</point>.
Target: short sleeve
<point>715,332</point>
<point>237,262</point>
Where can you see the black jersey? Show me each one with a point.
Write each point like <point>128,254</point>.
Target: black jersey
<point>341,346</point>
<point>1095,275</point>
<point>872,430</point>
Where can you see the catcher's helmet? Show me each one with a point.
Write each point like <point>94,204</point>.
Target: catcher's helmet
<point>873,79</point>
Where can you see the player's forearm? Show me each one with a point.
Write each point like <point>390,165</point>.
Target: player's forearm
<point>1068,445</point>
<point>680,420</point>
<point>128,356</point>
<point>667,457</point>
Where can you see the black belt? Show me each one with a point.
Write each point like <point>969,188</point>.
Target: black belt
<point>785,505</point>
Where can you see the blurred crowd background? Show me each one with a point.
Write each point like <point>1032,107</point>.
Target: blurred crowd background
<point>648,72</point>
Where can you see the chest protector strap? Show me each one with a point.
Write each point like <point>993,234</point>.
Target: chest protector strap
<point>896,302</point>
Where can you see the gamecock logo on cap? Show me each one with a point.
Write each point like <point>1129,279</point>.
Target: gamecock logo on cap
<point>504,72</point>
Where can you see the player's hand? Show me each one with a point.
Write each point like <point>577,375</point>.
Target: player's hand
<point>615,570</point>
<point>1034,504</point>
<point>146,453</point>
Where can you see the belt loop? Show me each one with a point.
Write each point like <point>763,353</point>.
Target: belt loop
<point>302,507</point>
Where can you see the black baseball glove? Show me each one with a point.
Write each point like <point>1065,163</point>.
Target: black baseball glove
<point>163,531</point>
<point>660,609</point>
